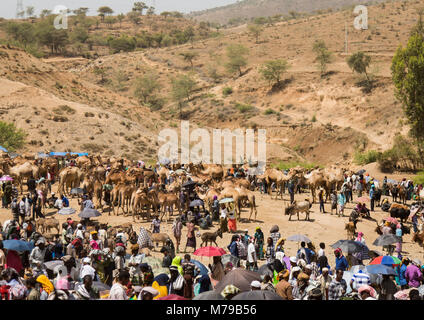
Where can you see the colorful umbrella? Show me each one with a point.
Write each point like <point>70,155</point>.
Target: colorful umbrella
<point>172,297</point>
<point>380,269</point>
<point>386,260</point>
<point>209,252</point>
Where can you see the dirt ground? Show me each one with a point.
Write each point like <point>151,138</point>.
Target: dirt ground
<point>325,228</point>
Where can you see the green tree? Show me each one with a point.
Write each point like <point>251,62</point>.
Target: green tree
<point>359,62</point>
<point>236,54</point>
<point>255,30</point>
<point>11,137</point>
<point>121,17</point>
<point>273,70</point>
<point>45,13</point>
<point>189,57</point>
<point>47,35</point>
<point>139,7</point>
<point>81,11</point>
<point>182,88</point>
<point>123,43</point>
<point>79,34</point>
<point>189,34</point>
<point>134,17</point>
<point>110,21</point>
<point>146,86</point>
<point>100,71</point>
<point>408,78</point>
<point>21,32</point>
<point>323,55</point>
<point>104,11</point>
<point>30,11</point>
<point>150,11</point>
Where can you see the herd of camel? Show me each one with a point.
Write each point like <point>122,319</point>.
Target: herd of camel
<point>130,192</point>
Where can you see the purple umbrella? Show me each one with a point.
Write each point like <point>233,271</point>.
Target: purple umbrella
<point>6,178</point>
<point>287,262</point>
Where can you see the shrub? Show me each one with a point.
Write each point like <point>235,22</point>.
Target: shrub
<point>269,111</point>
<point>227,91</point>
<point>366,157</point>
<point>243,108</point>
<point>11,137</point>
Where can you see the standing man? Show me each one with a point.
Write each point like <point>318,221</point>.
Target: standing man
<point>372,194</point>
<point>22,210</point>
<point>119,289</point>
<point>290,188</point>
<point>341,261</point>
<point>337,287</point>
<point>252,262</point>
<point>191,237</point>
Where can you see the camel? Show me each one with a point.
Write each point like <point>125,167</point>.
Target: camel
<point>279,178</point>
<point>231,192</point>
<point>246,194</point>
<point>97,193</point>
<point>316,179</point>
<point>142,197</point>
<point>69,178</point>
<point>167,201</point>
<point>216,172</point>
<point>25,170</point>
<point>163,174</point>
<point>207,197</point>
<point>125,194</point>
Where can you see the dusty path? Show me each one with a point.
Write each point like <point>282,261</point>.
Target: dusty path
<point>322,227</point>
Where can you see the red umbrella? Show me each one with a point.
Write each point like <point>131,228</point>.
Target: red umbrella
<point>209,252</point>
<point>172,297</point>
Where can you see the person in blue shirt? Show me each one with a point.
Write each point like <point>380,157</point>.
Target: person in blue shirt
<point>233,246</point>
<point>65,201</point>
<point>401,271</point>
<point>341,261</point>
<point>304,253</point>
<point>372,195</point>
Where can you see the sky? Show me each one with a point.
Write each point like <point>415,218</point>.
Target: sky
<point>8,7</point>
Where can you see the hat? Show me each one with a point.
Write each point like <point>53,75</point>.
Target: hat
<point>40,241</point>
<point>93,232</point>
<point>293,259</point>
<point>301,263</point>
<point>296,269</point>
<point>308,266</point>
<point>229,289</point>
<point>86,260</point>
<point>150,290</point>
<point>255,284</point>
<point>325,270</point>
<point>53,193</point>
<point>258,228</point>
<point>303,276</point>
<point>79,225</point>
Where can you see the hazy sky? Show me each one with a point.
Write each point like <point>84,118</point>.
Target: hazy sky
<point>8,7</point>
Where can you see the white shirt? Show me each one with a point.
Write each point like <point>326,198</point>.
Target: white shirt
<point>58,204</point>
<point>251,253</point>
<point>117,292</point>
<point>321,252</point>
<point>79,234</point>
<point>223,213</point>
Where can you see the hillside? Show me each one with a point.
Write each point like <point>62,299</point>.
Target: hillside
<point>61,111</point>
<point>245,10</point>
<point>321,120</point>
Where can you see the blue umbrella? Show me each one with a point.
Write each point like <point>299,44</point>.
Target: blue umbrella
<point>196,203</point>
<point>3,149</point>
<point>380,269</point>
<point>201,266</point>
<point>18,245</point>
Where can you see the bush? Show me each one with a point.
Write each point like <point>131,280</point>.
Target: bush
<point>282,165</point>
<point>366,157</point>
<point>243,108</point>
<point>269,111</point>
<point>11,137</point>
<point>419,178</point>
<point>227,91</point>
<point>123,43</point>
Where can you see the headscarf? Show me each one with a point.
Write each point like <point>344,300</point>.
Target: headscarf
<point>368,289</point>
<point>229,289</point>
<point>45,282</point>
<point>284,275</point>
<point>177,262</point>
<point>338,250</point>
<point>360,234</point>
<point>303,277</point>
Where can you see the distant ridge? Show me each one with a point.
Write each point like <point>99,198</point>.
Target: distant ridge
<point>248,9</point>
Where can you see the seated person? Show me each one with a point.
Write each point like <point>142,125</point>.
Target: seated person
<point>206,221</point>
<point>65,201</point>
<point>52,200</point>
<point>58,203</point>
